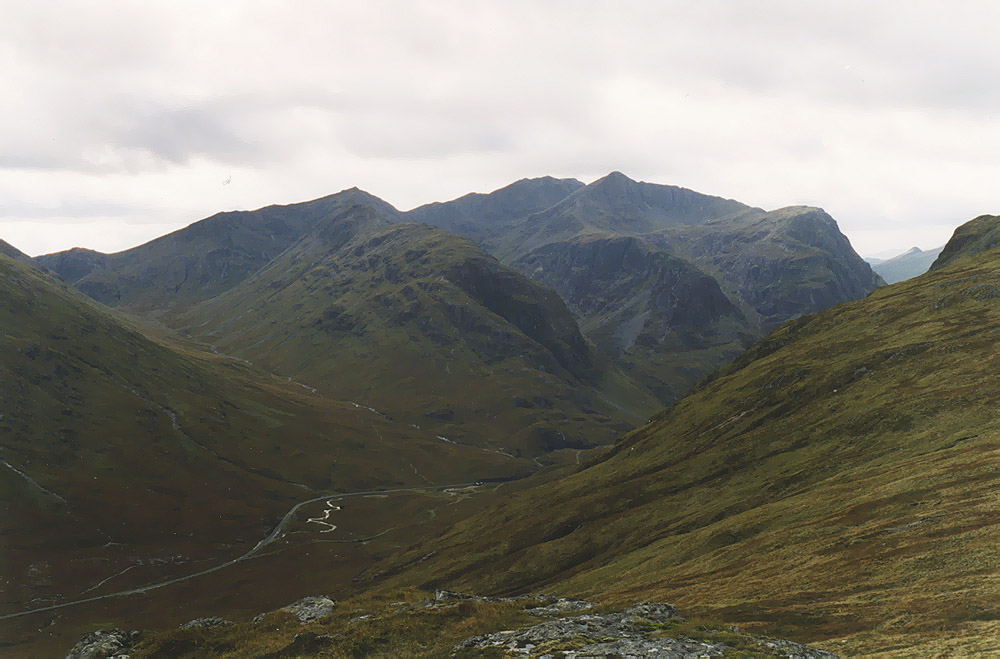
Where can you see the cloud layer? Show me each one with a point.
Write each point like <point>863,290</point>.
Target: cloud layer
<point>122,120</point>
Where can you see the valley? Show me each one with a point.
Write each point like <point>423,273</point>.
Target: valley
<point>659,396</point>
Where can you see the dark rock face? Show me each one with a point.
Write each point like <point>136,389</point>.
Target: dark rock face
<point>74,264</point>
<point>104,644</point>
<point>644,307</point>
<point>784,264</point>
<point>534,310</point>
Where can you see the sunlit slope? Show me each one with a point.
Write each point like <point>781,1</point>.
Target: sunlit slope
<point>839,479</point>
<point>428,327</point>
<point>113,445</point>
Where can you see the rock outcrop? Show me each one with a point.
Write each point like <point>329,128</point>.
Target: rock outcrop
<point>637,632</point>
<point>104,644</point>
<point>311,608</point>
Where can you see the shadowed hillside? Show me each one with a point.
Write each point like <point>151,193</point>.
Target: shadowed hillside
<point>426,325</point>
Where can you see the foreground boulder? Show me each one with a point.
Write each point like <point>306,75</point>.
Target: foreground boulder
<point>639,631</point>
<point>104,644</point>
<point>311,608</point>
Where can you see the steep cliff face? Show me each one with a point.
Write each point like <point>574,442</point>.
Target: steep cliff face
<point>783,263</point>
<point>667,323</point>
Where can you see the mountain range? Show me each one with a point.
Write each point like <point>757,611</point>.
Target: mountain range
<point>172,404</point>
<point>834,483</point>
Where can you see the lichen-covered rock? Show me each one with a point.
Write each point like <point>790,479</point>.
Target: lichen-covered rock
<point>311,608</point>
<point>637,632</point>
<point>560,606</point>
<point>213,621</point>
<point>660,648</point>
<point>104,644</point>
<point>792,650</point>
<point>450,597</point>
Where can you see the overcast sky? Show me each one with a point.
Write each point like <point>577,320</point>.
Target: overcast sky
<point>122,121</point>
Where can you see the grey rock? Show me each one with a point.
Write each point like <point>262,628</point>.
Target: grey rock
<point>793,650</point>
<point>311,608</point>
<point>449,598</point>
<point>560,606</point>
<point>103,644</point>
<point>627,633</point>
<point>213,621</point>
<point>661,648</point>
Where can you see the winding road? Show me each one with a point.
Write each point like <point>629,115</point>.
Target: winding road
<point>271,537</point>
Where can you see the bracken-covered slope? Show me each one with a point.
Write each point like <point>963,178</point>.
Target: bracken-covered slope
<point>201,260</point>
<point>428,327</point>
<point>664,321</point>
<point>837,480</point>
<point>124,456</point>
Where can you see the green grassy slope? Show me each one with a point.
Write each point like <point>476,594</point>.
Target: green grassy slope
<point>665,322</point>
<point>201,260</point>
<point>838,480</point>
<point>429,328</point>
<point>119,452</point>
<point>979,235</point>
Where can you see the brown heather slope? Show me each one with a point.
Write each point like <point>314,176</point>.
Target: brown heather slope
<point>837,482</point>
<point>120,455</point>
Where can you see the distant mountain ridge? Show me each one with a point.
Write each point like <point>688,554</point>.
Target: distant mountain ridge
<point>771,266</point>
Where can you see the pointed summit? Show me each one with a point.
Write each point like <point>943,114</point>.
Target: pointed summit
<point>615,178</point>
